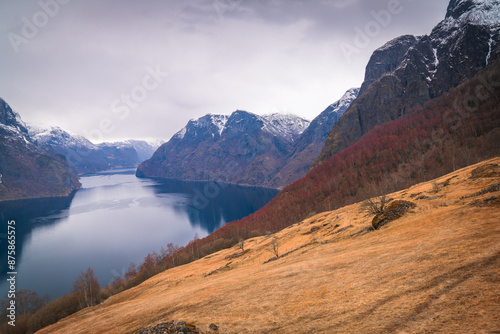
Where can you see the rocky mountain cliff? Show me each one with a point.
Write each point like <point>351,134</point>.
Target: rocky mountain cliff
<point>28,171</point>
<point>410,71</point>
<point>87,157</point>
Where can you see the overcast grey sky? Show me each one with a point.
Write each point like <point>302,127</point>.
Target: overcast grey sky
<point>117,69</point>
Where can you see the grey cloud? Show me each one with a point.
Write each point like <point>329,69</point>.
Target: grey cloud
<point>262,56</point>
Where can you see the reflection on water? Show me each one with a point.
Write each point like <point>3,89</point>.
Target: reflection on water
<point>28,214</point>
<point>210,205</point>
<point>115,218</point>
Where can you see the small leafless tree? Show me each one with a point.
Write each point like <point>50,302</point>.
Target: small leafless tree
<point>241,245</point>
<point>275,247</point>
<point>375,206</point>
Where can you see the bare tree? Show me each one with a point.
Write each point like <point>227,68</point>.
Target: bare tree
<point>172,252</point>
<point>27,302</point>
<point>275,246</point>
<point>241,245</point>
<point>87,288</point>
<point>375,205</point>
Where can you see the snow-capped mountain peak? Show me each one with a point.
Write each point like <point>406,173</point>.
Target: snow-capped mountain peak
<point>346,100</point>
<point>57,136</point>
<point>338,108</point>
<point>285,126</point>
<point>210,122</point>
<point>473,12</point>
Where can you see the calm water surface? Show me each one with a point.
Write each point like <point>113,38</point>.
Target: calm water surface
<point>114,219</point>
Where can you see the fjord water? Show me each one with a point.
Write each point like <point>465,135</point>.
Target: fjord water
<point>114,219</point>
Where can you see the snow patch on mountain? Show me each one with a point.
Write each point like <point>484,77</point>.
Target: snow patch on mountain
<point>180,134</point>
<point>219,121</point>
<point>203,123</point>
<point>475,12</point>
<point>488,56</point>
<point>15,132</point>
<point>345,101</point>
<point>57,136</point>
<point>286,126</point>
<point>339,107</point>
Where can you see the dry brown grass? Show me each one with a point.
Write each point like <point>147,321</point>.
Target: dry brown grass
<point>436,269</point>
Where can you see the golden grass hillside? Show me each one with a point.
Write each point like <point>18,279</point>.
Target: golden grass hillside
<point>436,269</point>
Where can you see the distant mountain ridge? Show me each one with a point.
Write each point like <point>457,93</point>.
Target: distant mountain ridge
<point>27,170</point>
<point>286,126</point>
<point>409,71</point>
<point>87,157</point>
<point>244,148</point>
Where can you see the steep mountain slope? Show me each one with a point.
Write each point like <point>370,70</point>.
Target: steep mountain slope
<point>310,143</point>
<point>457,48</point>
<point>270,151</point>
<point>242,148</point>
<point>434,270</point>
<point>445,134</point>
<point>87,157</point>
<point>28,171</point>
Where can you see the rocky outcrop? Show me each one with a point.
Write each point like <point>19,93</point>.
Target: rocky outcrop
<point>171,327</point>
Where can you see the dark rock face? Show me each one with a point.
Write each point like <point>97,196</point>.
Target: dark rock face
<point>9,117</point>
<point>458,7</point>
<point>457,48</point>
<point>27,170</point>
<point>387,59</point>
